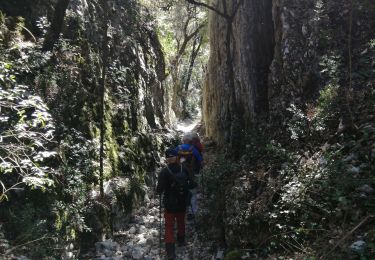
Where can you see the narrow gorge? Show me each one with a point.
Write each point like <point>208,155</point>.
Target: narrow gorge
<point>281,92</point>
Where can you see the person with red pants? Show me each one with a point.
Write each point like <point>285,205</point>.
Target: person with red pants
<point>174,183</point>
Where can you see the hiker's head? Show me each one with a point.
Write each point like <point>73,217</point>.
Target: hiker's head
<point>195,136</point>
<point>187,138</point>
<point>171,155</point>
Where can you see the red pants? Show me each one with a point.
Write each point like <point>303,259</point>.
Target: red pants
<point>170,219</point>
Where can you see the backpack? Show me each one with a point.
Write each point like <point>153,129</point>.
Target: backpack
<point>180,187</point>
<point>196,141</point>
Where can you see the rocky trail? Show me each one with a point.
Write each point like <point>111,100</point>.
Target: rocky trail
<point>141,239</point>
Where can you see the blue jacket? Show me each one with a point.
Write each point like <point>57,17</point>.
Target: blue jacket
<point>186,147</point>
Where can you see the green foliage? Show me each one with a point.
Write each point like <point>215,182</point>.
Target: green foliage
<point>43,25</point>
<point>217,173</point>
<point>327,98</point>
<point>31,222</point>
<point>7,79</point>
<point>258,148</point>
<point>167,41</point>
<point>325,187</point>
<point>305,127</point>
<point>52,124</point>
<point>27,137</point>
<point>330,67</point>
<point>177,23</point>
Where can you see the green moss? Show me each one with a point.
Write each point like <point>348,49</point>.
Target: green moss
<point>327,97</point>
<point>20,24</point>
<point>2,18</point>
<point>234,255</point>
<point>111,145</point>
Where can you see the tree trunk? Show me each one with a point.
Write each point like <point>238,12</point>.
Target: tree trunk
<point>346,85</point>
<point>193,56</point>
<point>102,94</point>
<point>56,26</point>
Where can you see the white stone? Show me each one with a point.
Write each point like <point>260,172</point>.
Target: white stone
<point>132,230</point>
<point>108,244</point>
<point>137,253</point>
<point>350,158</point>
<point>304,30</point>
<point>142,229</point>
<point>108,252</point>
<point>353,170</point>
<point>366,189</point>
<point>358,245</point>
<point>150,241</point>
<point>68,255</point>
<point>22,257</point>
<point>154,232</point>
<point>141,240</point>
<point>220,255</point>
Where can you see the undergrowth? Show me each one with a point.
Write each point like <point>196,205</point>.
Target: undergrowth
<point>307,192</point>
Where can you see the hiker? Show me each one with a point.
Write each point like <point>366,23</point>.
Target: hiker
<point>192,159</point>
<point>174,184</point>
<point>192,156</point>
<point>196,141</point>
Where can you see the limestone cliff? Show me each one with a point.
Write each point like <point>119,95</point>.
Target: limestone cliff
<point>252,50</point>
<point>280,50</point>
<point>300,68</point>
<point>117,37</point>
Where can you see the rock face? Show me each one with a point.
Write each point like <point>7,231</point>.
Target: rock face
<point>69,79</point>
<point>280,52</point>
<point>252,52</point>
<point>289,54</point>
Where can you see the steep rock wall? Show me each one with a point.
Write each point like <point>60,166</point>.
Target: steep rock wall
<point>319,47</point>
<point>281,51</point>
<point>135,101</point>
<point>252,53</point>
<point>68,79</point>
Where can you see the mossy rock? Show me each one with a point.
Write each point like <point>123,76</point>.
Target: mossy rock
<point>234,255</point>
<point>2,18</point>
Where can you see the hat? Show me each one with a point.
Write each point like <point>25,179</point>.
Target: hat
<point>170,152</point>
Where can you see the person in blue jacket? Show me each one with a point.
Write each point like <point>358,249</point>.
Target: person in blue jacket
<point>192,159</point>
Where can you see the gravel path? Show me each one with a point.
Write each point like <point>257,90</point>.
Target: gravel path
<point>141,239</point>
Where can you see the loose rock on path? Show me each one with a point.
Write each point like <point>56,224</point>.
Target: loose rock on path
<point>141,239</point>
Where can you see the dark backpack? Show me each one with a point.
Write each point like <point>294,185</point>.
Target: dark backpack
<point>180,193</point>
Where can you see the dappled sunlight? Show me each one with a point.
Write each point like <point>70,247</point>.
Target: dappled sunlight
<point>188,125</point>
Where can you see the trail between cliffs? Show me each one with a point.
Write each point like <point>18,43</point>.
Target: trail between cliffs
<point>188,125</point>
<point>141,239</point>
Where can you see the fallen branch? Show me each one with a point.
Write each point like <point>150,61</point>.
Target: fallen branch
<point>27,243</point>
<point>347,235</point>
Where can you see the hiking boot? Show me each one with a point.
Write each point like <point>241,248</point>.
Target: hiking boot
<point>190,216</point>
<point>181,241</point>
<point>170,249</point>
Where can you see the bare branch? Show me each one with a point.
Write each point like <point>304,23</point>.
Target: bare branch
<point>186,41</point>
<point>208,7</point>
<point>186,25</point>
